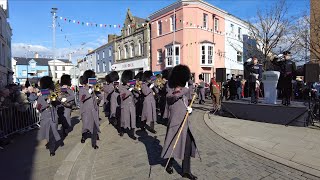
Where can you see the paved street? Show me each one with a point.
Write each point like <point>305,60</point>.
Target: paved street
<point>122,158</point>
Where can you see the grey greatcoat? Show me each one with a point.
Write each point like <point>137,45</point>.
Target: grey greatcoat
<point>67,109</point>
<point>89,110</point>
<point>107,89</point>
<point>191,89</point>
<point>178,102</point>
<point>201,89</point>
<point>48,119</point>
<point>128,109</point>
<point>166,109</point>
<point>149,113</point>
<point>115,105</point>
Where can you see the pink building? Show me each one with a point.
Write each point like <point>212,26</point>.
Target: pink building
<point>194,38</point>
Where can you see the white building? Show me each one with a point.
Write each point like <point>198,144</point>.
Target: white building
<point>5,45</point>
<point>235,29</point>
<point>62,66</point>
<point>83,65</point>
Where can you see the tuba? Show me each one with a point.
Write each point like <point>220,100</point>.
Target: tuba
<point>159,82</point>
<point>97,88</point>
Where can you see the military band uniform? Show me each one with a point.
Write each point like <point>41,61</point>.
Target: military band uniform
<point>255,75</point>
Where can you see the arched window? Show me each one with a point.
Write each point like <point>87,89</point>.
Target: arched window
<point>132,50</point>
<point>119,53</point>
<point>140,48</point>
<point>126,52</point>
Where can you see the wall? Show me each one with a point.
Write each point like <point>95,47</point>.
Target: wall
<point>107,60</point>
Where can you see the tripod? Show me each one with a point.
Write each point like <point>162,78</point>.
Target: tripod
<point>311,115</point>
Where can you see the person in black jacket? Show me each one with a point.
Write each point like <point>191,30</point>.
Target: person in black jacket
<point>255,71</point>
<point>287,75</point>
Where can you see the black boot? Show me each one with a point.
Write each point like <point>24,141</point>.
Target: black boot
<point>52,154</point>
<point>95,147</point>
<point>131,134</point>
<point>189,176</point>
<point>169,168</point>
<point>83,139</point>
<point>121,131</point>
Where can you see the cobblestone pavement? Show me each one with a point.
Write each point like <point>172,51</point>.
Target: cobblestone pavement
<point>123,158</point>
<point>26,158</point>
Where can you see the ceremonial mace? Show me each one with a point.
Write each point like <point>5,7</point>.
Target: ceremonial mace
<point>179,134</point>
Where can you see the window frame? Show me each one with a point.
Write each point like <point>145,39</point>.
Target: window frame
<point>239,54</point>
<point>205,21</point>
<point>159,56</point>
<point>169,56</point>
<point>216,24</point>
<point>173,23</point>
<point>159,28</point>
<point>206,77</point>
<point>206,54</point>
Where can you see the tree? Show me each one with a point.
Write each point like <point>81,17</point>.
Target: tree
<point>269,32</point>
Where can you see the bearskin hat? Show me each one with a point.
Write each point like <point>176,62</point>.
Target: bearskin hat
<point>139,76</point>
<point>65,80</point>
<point>87,74</point>
<point>166,73</point>
<point>200,77</point>
<point>127,75</point>
<point>46,83</point>
<point>147,75</point>
<point>107,78</point>
<point>113,76</point>
<point>180,76</point>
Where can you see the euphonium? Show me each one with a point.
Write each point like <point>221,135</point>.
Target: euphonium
<point>53,96</point>
<point>138,86</point>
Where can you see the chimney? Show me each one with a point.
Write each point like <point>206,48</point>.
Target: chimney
<point>36,55</point>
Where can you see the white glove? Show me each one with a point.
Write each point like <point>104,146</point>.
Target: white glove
<point>189,109</point>
<point>187,85</point>
<point>249,60</point>
<point>151,86</point>
<point>63,99</point>
<point>48,100</point>
<point>90,91</point>
<point>130,89</point>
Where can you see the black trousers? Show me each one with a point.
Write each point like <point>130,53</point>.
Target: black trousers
<point>94,135</point>
<point>52,142</point>
<point>287,89</point>
<point>254,94</point>
<point>186,168</point>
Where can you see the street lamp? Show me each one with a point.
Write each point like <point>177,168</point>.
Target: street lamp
<point>53,12</point>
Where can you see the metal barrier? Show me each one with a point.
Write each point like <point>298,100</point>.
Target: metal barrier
<point>18,119</point>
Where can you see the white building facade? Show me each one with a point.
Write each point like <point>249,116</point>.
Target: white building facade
<point>61,66</point>
<point>235,29</point>
<point>6,73</point>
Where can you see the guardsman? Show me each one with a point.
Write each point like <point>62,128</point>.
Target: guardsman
<point>90,108</point>
<point>49,116</point>
<point>178,107</point>
<point>255,71</point>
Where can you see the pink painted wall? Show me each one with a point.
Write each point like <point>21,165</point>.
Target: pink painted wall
<point>189,37</point>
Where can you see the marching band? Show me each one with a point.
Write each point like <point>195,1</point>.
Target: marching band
<point>133,102</point>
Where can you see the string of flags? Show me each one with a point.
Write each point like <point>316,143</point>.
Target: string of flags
<point>83,23</point>
<point>58,57</point>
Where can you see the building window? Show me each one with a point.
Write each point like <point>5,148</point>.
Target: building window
<point>159,56</point>
<point>232,28</point>
<point>126,52</point>
<point>131,50</point>
<point>239,56</point>
<point>109,52</point>
<point>159,28</point>
<point>110,65</point>
<point>173,21</point>
<point>216,24</point>
<point>210,54</point>
<point>169,56</point>
<point>104,67</point>
<point>56,75</point>
<point>206,77</point>
<point>98,68</point>
<point>119,53</point>
<point>63,68</point>
<point>140,48</point>
<point>97,56</point>
<point>206,54</point>
<point>56,68</point>
<point>0,25</point>
<point>24,72</point>
<point>177,54</point>
<point>205,21</point>
<point>239,33</point>
<point>102,54</point>
<point>129,31</point>
<point>203,54</point>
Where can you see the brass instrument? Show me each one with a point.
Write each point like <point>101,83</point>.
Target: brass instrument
<point>138,86</point>
<point>159,82</point>
<point>97,87</point>
<point>53,96</point>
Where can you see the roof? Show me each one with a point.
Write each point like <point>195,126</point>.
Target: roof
<point>206,41</point>
<point>139,20</point>
<point>40,61</point>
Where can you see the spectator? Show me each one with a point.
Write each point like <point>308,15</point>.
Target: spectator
<point>5,100</point>
<point>239,87</point>
<point>215,91</point>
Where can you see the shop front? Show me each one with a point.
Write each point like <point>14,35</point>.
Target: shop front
<point>135,66</point>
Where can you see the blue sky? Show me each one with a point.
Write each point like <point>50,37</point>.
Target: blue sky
<point>31,20</point>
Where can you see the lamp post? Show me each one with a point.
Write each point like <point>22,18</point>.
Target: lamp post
<point>53,12</point>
